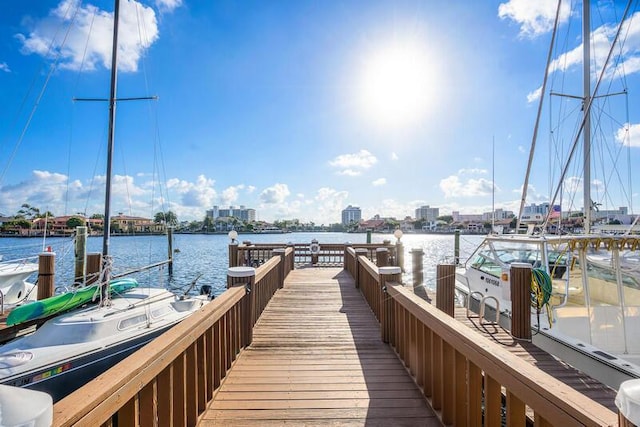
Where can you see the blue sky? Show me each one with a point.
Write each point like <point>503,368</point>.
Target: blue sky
<point>294,108</point>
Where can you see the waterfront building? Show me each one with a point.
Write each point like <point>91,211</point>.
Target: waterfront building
<point>427,213</point>
<point>242,213</point>
<point>351,214</point>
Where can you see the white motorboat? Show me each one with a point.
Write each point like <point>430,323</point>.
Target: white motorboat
<point>14,287</point>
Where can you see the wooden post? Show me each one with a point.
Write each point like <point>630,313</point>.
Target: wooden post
<point>417,273</point>
<point>445,288</point>
<point>387,274</point>
<point>520,282</point>
<point>245,276</point>
<point>382,257</point>
<point>170,249</point>
<point>417,266</point>
<point>233,253</point>
<point>400,254</point>
<point>80,255</point>
<point>46,274</point>
<point>628,403</point>
<point>281,253</point>
<point>94,262</point>
<point>456,248</point>
<point>359,252</point>
<point>368,235</point>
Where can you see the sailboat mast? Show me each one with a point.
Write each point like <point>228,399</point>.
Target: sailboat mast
<point>586,131</point>
<point>110,143</point>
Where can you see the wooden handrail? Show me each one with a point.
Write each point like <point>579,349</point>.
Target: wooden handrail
<point>94,403</point>
<point>462,349</point>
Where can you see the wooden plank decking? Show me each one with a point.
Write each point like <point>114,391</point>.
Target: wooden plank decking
<point>317,359</point>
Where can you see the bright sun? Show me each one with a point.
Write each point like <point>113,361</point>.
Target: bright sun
<point>396,85</point>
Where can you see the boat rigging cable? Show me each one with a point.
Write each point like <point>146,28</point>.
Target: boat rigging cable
<point>538,115</point>
<point>584,120</point>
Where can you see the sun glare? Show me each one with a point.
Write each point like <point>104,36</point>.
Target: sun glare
<point>396,85</point>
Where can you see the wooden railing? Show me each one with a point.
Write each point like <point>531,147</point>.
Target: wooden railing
<point>331,254</point>
<point>172,379</point>
<point>467,378</point>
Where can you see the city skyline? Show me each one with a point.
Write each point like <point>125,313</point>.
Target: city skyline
<point>294,108</point>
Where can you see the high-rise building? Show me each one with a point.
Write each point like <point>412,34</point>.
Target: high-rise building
<point>351,214</point>
<point>242,213</point>
<point>425,212</point>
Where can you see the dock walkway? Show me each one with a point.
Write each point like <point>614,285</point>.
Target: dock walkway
<point>317,359</point>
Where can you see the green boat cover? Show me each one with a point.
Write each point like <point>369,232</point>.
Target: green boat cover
<point>65,301</point>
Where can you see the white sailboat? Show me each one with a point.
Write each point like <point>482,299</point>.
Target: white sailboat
<point>587,288</point>
<point>72,348</point>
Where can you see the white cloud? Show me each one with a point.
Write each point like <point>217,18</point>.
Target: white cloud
<point>453,187</point>
<point>230,194</point>
<point>534,96</point>
<point>4,67</point>
<point>89,44</point>
<point>378,182</point>
<point>194,194</point>
<point>534,17</point>
<point>168,5</point>
<point>275,194</point>
<point>629,135</point>
<point>473,171</point>
<point>394,156</point>
<point>353,164</point>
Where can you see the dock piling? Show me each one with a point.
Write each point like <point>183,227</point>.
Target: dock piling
<point>46,274</point>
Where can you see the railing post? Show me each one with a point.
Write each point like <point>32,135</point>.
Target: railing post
<point>46,274</point>
<point>456,248</point>
<point>417,273</point>
<point>281,253</point>
<point>628,403</point>
<point>363,252</point>
<point>400,254</point>
<point>344,257</point>
<point>382,257</point>
<point>94,262</point>
<point>387,274</point>
<point>245,276</point>
<point>520,282</point>
<point>233,253</point>
<point>445,288</point>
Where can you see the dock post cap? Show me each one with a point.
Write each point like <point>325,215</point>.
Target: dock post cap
<point>241,272</point>
<point>279,251</point>
<point>47,253</point>
<point>382,250</point>
<point>21,406</point>
<point>417,250</point>
<point>389,270</point>
<point>628,400</point>
<point>521,265</point>
<point>361,250</point>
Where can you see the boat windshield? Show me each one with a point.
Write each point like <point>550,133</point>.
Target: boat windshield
<point>493,257</point>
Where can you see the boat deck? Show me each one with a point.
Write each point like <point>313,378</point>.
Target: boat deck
<point>317,359</point>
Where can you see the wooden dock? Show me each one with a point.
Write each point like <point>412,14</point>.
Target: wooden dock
<point>317,359</point>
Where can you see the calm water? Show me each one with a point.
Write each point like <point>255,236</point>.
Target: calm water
<point>205,257</point>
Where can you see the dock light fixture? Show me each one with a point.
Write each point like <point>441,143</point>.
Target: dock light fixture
<point>398,234</point>
<point>233,235</point>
